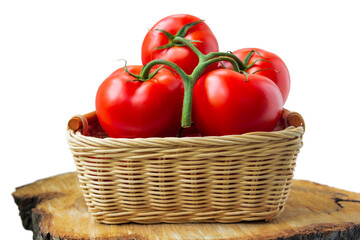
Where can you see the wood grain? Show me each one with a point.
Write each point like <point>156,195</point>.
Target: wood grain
<point>54,208</point>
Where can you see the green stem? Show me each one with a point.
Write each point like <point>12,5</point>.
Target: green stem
<point>146,69</point>
<point>188,43</point>
<point>190,80</point>
<point>201,67</point>
<point>202,57</point>
<point>242,66</point>
<point>187,103</point>
<point>188,87</point>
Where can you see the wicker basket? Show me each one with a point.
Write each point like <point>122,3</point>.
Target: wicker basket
<point>193,179</point>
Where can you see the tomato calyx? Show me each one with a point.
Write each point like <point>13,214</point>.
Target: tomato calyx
<point>246,75</point>
<point>181,33</point>
<point>140,77</point>
<point>248,66</point>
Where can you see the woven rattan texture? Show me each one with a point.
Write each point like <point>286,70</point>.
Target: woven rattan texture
<point>193,179</point>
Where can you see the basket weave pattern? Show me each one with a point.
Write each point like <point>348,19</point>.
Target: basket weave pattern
<point>193,179</point>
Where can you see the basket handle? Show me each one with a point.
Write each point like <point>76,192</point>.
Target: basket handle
<point>292,119</point>
<point>82,122</point>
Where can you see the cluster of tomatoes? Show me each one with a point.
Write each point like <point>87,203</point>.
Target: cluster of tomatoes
<point>185,83</point>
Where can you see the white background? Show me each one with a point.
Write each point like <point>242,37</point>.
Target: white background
<point>55,54</point>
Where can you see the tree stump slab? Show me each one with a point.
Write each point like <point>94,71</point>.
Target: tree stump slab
<point>54,208</point>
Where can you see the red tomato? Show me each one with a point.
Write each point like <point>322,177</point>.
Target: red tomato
<point>181,55</point>
<point>273,68</point>
<point>225,103</point>
<point>131,109</point>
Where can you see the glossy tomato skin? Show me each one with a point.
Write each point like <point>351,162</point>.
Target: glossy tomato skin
<point>276,68</point>
<point>134,109</point>
<point>224,103</point>
<point>181,55</point>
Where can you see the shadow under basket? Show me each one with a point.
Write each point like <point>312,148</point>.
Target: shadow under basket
<point>223,179</point>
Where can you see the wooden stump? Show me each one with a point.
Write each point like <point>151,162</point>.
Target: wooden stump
<point>54,208</point>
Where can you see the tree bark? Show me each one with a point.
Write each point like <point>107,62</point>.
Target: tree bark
<point>54,208</point>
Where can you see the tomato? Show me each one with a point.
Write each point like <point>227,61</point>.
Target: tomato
<point>225,102</point>
<point>129,108</point>
<point>273,67</point>
<point>181,55</point>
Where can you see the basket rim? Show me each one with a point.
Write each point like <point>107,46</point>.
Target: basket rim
<point>291,124</point>
<point>257,136</point>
